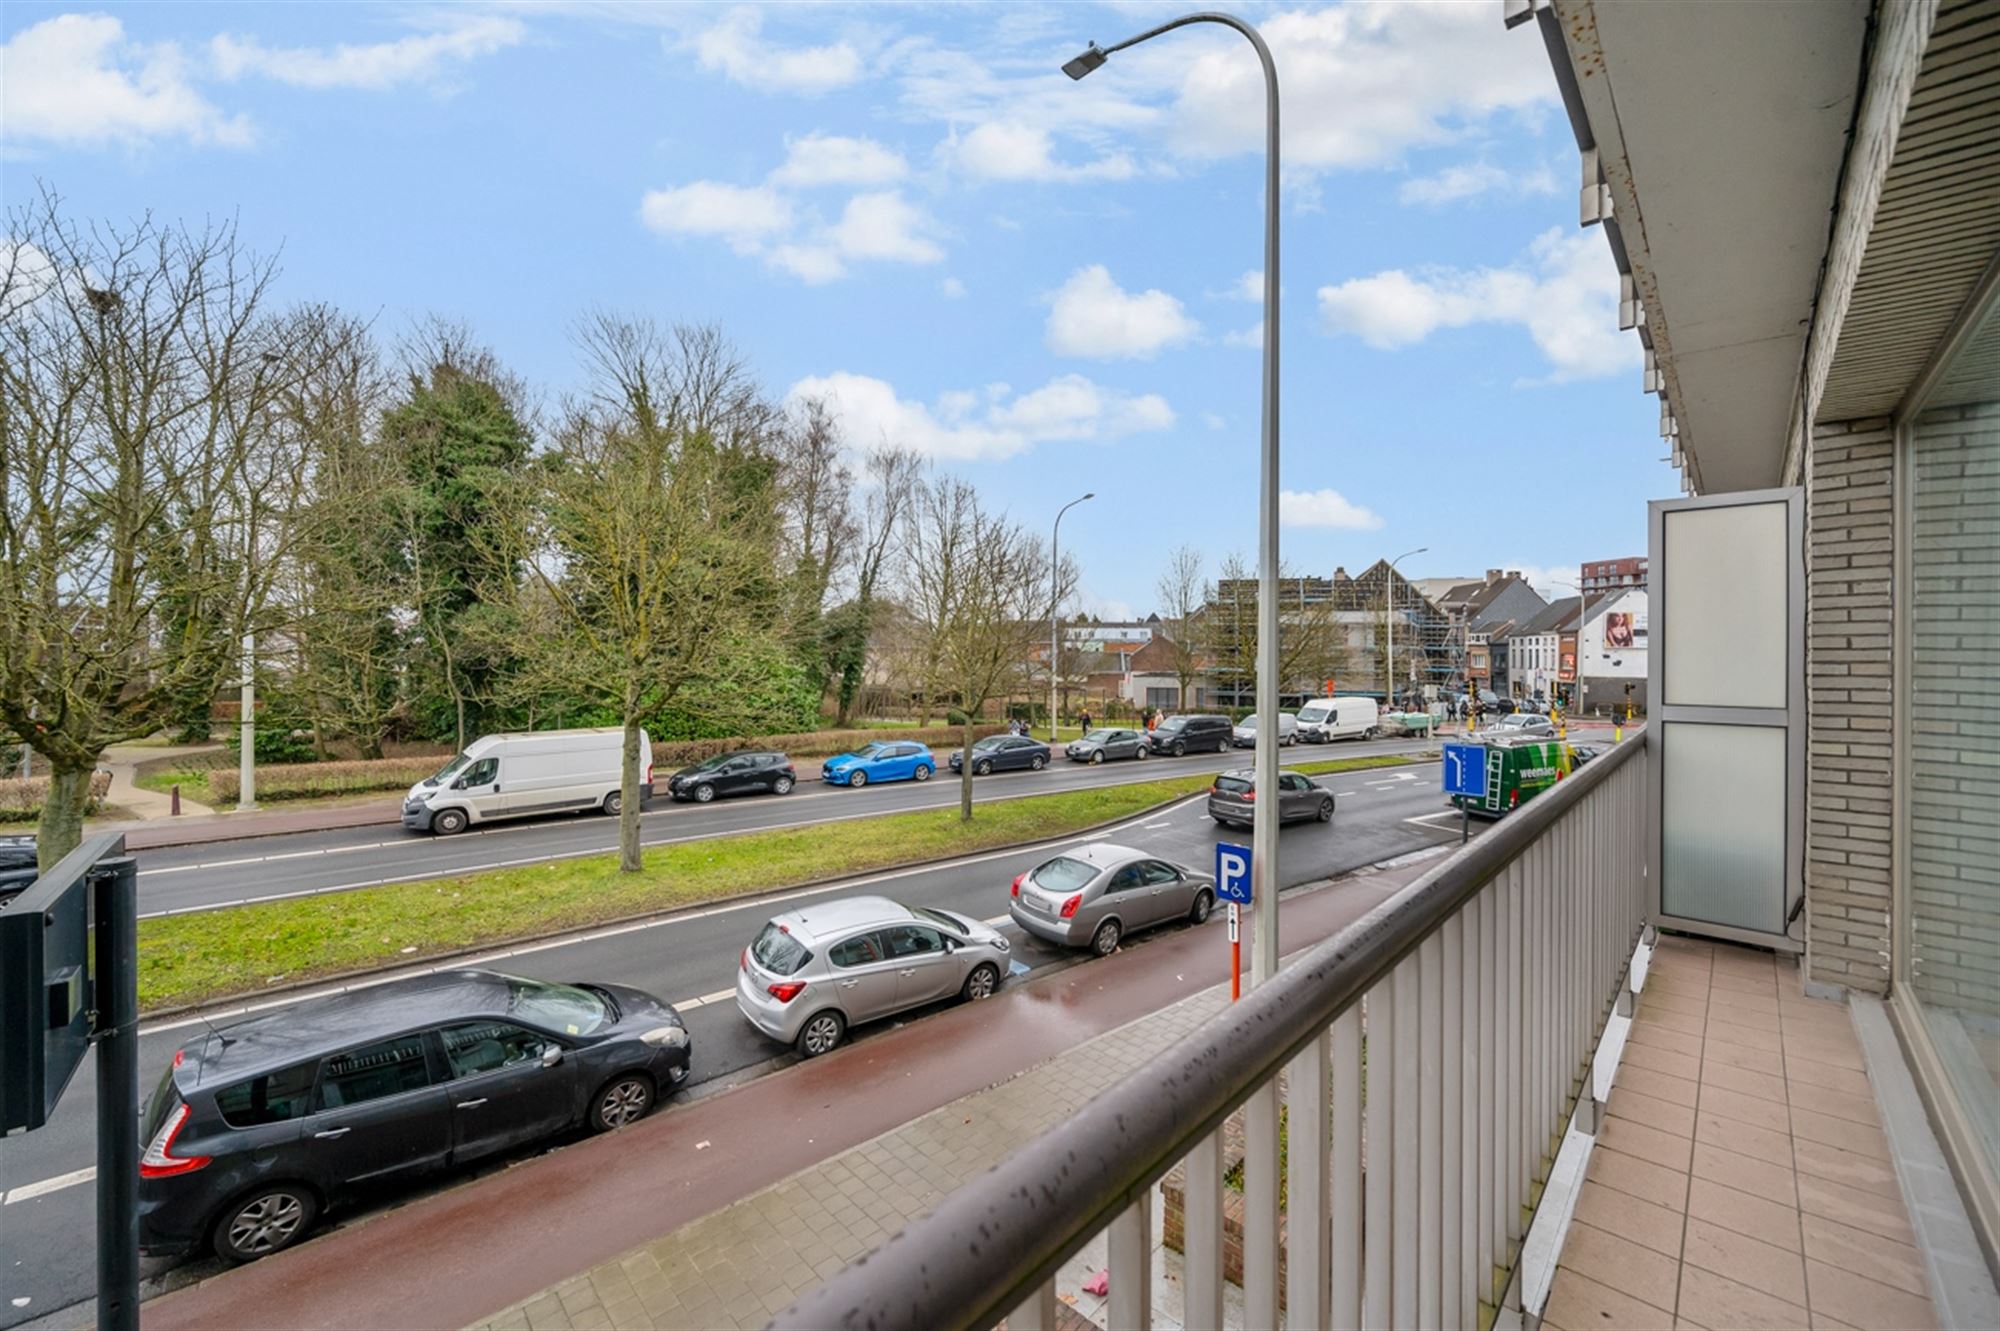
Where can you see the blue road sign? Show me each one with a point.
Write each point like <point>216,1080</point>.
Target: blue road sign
<point>1232,873</point>
<point>1465,770</point>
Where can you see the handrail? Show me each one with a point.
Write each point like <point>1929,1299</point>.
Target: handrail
<point>971,1262</point>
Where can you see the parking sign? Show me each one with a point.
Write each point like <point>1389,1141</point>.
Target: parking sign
<point>1465,770</point>
<point>1232,873</point>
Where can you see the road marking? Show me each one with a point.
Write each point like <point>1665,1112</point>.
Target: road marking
<point>29,1191</point>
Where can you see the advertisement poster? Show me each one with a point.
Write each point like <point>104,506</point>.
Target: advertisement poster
<point>1566,658</point>
<point>1625,631</point>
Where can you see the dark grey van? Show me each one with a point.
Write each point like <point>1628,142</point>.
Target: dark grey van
<point>1182,735</point>
<point>258,1128</point>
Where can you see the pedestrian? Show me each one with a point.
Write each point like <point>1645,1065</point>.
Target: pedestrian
<point>1083,720</point>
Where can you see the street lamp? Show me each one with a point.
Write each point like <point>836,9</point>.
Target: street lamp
<point>1055,603</point>
<point>1389,622</point>
<point>1264,834</point>
<point>246,755</point>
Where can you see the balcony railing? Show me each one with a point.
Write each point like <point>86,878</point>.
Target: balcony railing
<point>1431,1055</point>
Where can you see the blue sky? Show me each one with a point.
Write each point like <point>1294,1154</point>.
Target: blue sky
<point>1046,285</point>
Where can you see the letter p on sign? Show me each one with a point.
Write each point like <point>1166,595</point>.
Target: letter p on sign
<point>1232,873</point>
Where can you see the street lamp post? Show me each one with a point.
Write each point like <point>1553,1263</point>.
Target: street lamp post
<point>1055,604</point>
<point>1389,623</point>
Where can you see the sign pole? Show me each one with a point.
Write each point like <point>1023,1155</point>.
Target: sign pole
<point>1235,953</point>
<point>1232,884</point>
<point>116,994</point>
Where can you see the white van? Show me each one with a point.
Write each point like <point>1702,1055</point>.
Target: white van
<point>511,776</point>
<point>1324,719</point>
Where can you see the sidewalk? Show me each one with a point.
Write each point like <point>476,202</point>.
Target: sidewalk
<point>792,1173</point>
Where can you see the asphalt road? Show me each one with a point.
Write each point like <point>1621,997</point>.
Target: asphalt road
<point>204,877</point>
<point>46,1261</point>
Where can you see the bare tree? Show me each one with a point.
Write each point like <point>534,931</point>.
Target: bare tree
<point>976,585</point>
<point>147,504</point>
<point>816,505</point>
<point>1181,595</point>
<point>892,479</point>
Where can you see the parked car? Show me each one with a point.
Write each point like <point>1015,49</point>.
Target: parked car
<point>1525,724</point>
<point>814,973</point>
<point>1096,894</point>
<point>17,867</point>
<point>258,1129</point>
<point>1325,719</point>
<point>1492,704</point>
<point>1244,734</point>
<point>1182,735</point>
<point>511,776</point>
<point>1002,753</point>
<point>734,774</point>
<point>901,760</point>
<point>1232,800</point>
<point>1099,745</point>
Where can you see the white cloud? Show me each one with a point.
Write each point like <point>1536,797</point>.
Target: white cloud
<point>1565,293</point>
<point>812,264</point>
<point>1249,287</point>
<point>968,426</point>
<point>1469,179</point>
<point>885,226</point>
<point>734,46</point>
<point>1324,508</point>
<point>833,159</point>
<point>1214,421</point>
<point>1253,336</point>
<point>1091,315</point>
<point>745,217</point>
<point>952,288</point>
<point>75,79</point>
<point>1553,582</point>
<point>1014,151</point>
<point>418,57</point>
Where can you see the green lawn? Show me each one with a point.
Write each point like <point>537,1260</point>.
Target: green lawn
<point>211,954</point>
<point>193,784</point>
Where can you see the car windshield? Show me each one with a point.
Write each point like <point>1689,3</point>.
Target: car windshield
<point>1099,737</point>
<point>778,952</point>
<point>1247,723</point>
<point>562,1007</point>
<point>948,922</point>
<point>710,764</point>
<point>987,745</point>
<point>450,770</point>
<point>873,751</point>
<point>1065,874</point>
<point>1232,785</point>
<point>1316,711</point>
<point>1173,723</point>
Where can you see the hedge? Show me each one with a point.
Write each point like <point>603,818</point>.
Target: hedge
<point>22,800</point>
<point>292,781</point>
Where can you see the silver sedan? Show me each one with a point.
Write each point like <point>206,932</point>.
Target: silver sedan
<point>814,972</point>
<point>1093,896</point>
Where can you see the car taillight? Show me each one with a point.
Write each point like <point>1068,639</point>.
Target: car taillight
<point>180,1056</point>
<point>159,1161</point>
<point>1069,907</point>
<point>785,991</point>
<point>649,774</point>
<point>1017,883</point>
<point>791,770</point>
<point>1249,794</point>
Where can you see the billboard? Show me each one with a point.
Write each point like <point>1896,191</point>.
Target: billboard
<point>1566,658</point>
<point>1625,631</point>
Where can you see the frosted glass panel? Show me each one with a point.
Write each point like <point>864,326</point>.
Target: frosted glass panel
<point>1722,824</point>
<point>1724,626</point>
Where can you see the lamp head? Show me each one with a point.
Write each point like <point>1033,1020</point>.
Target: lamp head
<point>1083,64</point>
<point>1091,495</point>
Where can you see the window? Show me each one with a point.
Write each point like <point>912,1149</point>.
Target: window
<point>482,772</point>
<point>778,952</point>
<point>1232,785</point>
<point>1155,873</point>
<point>860,950</point>
<point>1126,879</point>
<point>911,940</point>
<point>488,1046</point>
<point>374,1072</point>
<point>1064,874</point>
<point>275,1097</point>
<point>1291,781</point>
<point>563,1007</point>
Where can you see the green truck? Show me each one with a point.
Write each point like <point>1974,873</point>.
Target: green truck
<point>1517,771</point>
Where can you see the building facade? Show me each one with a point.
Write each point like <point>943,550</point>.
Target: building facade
<point>1611,575</point>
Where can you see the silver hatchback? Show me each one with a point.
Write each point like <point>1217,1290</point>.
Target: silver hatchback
<point>814,972</point>
<point>1094,895</point>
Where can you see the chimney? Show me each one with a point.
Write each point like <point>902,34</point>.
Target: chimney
<point>1492,576</point>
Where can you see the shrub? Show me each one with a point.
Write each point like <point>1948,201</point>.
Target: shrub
<point>21,800</point>
<point>275,745</point>
<point>297,781</point>
<point>954,717</point>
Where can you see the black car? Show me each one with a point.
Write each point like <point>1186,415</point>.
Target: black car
<point>1182,735</point>
<point>1003,753</point>
<point>256,1129</point>
<point>17,866</point>
<point>734,774</point>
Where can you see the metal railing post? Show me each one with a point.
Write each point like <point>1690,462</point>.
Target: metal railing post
<point>1201,1244</point>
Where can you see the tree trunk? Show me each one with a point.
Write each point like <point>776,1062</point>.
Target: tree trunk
<point>628,798</point>
<point>965,774</point>
<point>458,701</point>
<point>60,828</point>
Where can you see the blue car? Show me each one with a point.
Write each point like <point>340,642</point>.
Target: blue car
<point>899,761</point>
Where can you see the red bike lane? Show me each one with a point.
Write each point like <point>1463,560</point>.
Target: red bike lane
<point>452,1258</point>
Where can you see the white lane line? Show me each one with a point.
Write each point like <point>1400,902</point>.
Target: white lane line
<point>596,935</point>
<point>30,1191</point>
<point>1153,827</point>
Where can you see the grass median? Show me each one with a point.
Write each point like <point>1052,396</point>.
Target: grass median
<point>208,955</point>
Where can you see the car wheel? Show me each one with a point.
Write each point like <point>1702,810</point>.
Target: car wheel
<point>1204,904</point>
<point>703,793</point>
<point>922,773</point>
<point>1326,811</point>
<point>450,822</point>
<point>1105,941</point>
<point>982,768</point>
<point>782,786</point>
<point>620,1101</point>
<point>1037,763</point>
<point>858,779</point>
<point>985,978</point>
<point>260,1223</point>
<point>1140,752</point>
<point>1180,748</point>
<point>1222,746</point>
<point>613,803</point>
<point>1096,757</point>
<point>821,1034</point>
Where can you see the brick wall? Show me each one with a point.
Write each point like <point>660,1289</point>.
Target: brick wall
<point>1954,739</point>
<point>1849,577</point>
